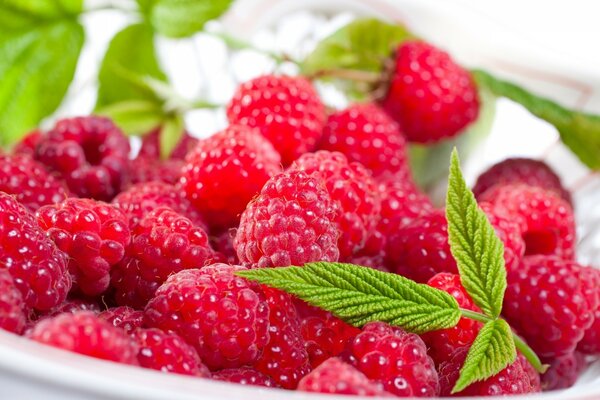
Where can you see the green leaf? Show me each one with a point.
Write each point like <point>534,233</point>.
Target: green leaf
<point>134,117</point>
<point>40,42</point>
<point>170,134</point>
<point>359,295</point>
<point>479,253</point>
<point>578,131</point>
<point>491,352</point>
<point>181,18</point>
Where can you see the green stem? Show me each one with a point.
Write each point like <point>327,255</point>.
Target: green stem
<point>475,315</point>
<point>529,354</point>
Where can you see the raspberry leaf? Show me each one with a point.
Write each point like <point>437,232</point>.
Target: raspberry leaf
<point>478,251</point>
<point>360,295</point>
<point>492,350</point>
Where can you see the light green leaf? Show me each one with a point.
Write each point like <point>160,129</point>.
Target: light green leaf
<point>479,253</point>
<point>579,131</point>
<point>180,18</point>
<point>359,295</point>
<point>170,134</point>
<point>25,14</point>
<point>491,352</point>
<point>134,117</point>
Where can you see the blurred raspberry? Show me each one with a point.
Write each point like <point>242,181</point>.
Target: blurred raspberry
<point>151,146</point>
<point>145,169</point>
<point>244,376</point>
<point>223,245</point>
<point>12,308</point>
<point>28,144</point>
<point>563,371</point>
<point>123,317</point>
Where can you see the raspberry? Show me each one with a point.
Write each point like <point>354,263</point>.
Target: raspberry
<point>442,343</point>
<point>521,170</point>
<point>145,169</point>
<point>430,96</point>
<point>89,153</point>
<point>518,378</point>
<point>508,229</point>
<point>223,245</point>
<point>74,305</point>
<point>244,376</point>
<point>420,249</point>
<point>563,371</point>
<point>12,308</point>
<point>284,358</point>
<point>223,316</point>
<point>337,377</point>
<point>29,143</point>
<point>590,344</point>
<point>151,146</point>
<point>167,352</point>
<point>396,359</point>
<point>123,317</point>
<point>287,111</point>
<point>37,266</point>
<point>29,182</point>
<point>140,199</point>
<point>84,333</point>
<point>351,186</point>
<point>291,222</point>
<point>549,224</point>
<point>162,243</point>
<point>224,172</point>
<point>94,236</point>
<point>366,134</point>
<point>550,302</point>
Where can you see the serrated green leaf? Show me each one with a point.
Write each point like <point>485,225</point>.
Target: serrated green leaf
<point>170,134</point>
<point>478,251</point>
<point>579,131</point>
<point>360,295</point>
<point>180,18</point>
<point>134,117</point>
<point>491,352</point>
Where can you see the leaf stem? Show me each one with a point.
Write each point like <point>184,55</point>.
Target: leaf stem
<point>347,74</point>
<point>475,315</point>
<point>529,354</point>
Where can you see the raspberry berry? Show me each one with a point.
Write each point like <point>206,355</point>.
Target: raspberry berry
<point>123,317</point>
<point>563,371</point>
<point>286,109</point>
<point>29,143</point>
<point>145,169</point>
<point>244,376</point>
<point>150,148</point>
<point>508,229</point>
<point>12,308</point>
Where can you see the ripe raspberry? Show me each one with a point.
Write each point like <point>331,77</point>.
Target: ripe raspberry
<point>74,305</point>
<point>140,199</point>
<point>151,146</point>
<point>508,229</point>
<point>366,134</point>
<point>223,316</point>
<point>337,377</point>
<point>29,182</point>
<point>37,266</point>
<point>12,308</point>
<point>145,169</point>
<point>549,224</point>
<point>351,186</point>
<point>84,333</point>
<point>396,359</point>
<point>29,143</point>
<point>287,111</point>
<point>442,343</point>
<point>90,153</point>
<point>94,236</point>
<point>551,302</point>
<point>162,243</point>
<point>167,352</point>
<point>223,245</point>
<point>518,378</point>
<point>521,170</point>
<point>224,172</point>
<point>244,376</point>
<point>420,249</point>
<point>590,344</point>
<point>563,371</point>
<point>429,95</point>
<point>123,317</point>
<point>291,222</point>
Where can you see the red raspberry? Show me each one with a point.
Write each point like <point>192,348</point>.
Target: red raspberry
<point>551,302</point>
<point>90,153</point>
<point>29,143</point>
<point>244,376</point>
<point>549,224</point>
<point>145,169</point>
<point>291,222</point>
<point>140,199</point>
<point>151,146</point>
<point>396,359</point>
<point>74,305</point>
<point>94,236</point>
<point>37,266</point>
<point>521,170</point>
<point>563,371</point>
<point>429,95</point>
<point>84,333</point>
<point>29,182</point>
<point>223,316</point>
<point>224,172</point>
<point>508,229</point>
<point>223,245</point>
<point>12,308</point>
<point>123,317</point>
<point>366,134</point>
<point>518,378</point>
<point>162,243</point>
<point>337,377</point>
<point>351,186</point>
<point>442,343</point>
<point>286,109</point>
<point>167,352</point>
<point>420,249</point>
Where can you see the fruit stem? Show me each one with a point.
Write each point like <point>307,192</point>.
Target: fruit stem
<point>529,354</point>
<point>475,315</point>
<point>347,74</point>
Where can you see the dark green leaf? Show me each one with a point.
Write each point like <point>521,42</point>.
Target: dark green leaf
<point>360,295</point>
<point>180,18</point>
<point>134,117</point>
<point>170,134</point>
